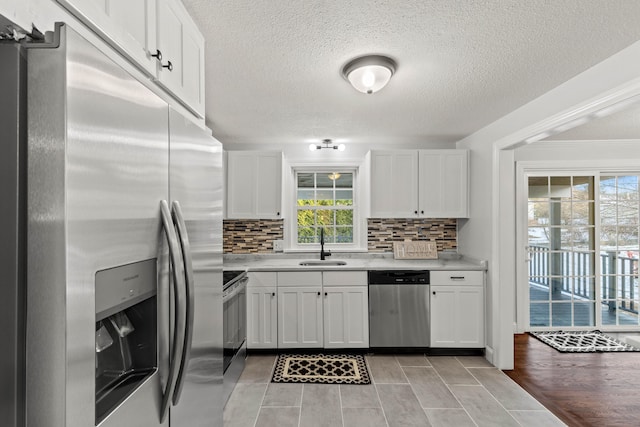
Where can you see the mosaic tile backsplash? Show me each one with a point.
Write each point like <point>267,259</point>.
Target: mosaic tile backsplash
<point>245,236</point>
<point>256,236</point>
<point>383,232</point>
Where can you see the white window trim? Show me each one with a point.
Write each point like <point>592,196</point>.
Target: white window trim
<point>291,220</point>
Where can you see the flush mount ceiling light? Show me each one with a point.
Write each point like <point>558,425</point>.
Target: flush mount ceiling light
<point>327,144</point>
<point>334,175</point>
<point>369,74</point>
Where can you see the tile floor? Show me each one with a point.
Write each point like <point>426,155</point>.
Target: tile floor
<point>406,390</point>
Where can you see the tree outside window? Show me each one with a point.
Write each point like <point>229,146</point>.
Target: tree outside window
<point>325,200</point>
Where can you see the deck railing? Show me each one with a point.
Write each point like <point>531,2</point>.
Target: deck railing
<point>572,273</point>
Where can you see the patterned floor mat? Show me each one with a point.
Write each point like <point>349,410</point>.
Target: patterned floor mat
<point>321,368</point>
<point>582,341</point>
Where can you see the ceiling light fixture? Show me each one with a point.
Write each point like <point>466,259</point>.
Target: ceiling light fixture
<point>334,175</point>
<point>327,144</point>
<point>369,74</point>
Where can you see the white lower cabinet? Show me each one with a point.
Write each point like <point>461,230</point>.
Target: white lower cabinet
<point>346,317</point>
<point>300,317</point>
<point>300,309</point>
<point>457,309</point>
<point>346,309</point>
<point>262,310</point>
<point>309,309</point>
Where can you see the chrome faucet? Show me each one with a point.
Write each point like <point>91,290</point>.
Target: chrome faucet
<point>323,254</point>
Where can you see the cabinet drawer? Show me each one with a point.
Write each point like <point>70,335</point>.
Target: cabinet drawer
<point>300,278</point>
<point>344,278</point>
<point>262,278</point>
<point>457,278</point>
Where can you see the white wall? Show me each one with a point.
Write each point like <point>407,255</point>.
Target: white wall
<point>490,232</point>
<point>581,153</point>
<point>353,152</point>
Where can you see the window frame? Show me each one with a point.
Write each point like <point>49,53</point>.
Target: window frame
<point>359,243</point>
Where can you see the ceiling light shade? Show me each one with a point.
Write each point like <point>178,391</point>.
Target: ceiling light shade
<point>369,74</point>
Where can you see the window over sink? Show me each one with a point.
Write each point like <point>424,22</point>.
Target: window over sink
<point>324,198</point>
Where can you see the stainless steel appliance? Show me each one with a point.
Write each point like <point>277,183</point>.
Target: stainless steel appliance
<point>399,309</point>
<point>112,245</point>
<point>234,299</point>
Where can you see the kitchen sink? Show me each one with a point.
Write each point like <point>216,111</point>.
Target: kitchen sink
<point>322,262</point>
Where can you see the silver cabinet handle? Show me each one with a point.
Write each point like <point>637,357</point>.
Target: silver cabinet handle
<point>177,270</point>
<point>183,237</point>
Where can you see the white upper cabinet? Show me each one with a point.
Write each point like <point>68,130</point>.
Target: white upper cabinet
<point>394,184</point>
<point>129,25</point>
<point>152,34</point>
<point>181,69</point>
<point>419,184</point>
<point>443,183</point>
<point>254,180</point>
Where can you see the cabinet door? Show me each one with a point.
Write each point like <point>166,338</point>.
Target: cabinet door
<point>471,308</point>
<point>394,184</point>
<point>193,67</point>
<point>346,317</point>
<point>443,316</point>
<point>300,317</point>
<point>262,326</point>
<point>268,184</point>
<point>182,47</point>
<point>443,183</point>
<point>130,26</point>
<point>457,316</point>
<point>254,184</point>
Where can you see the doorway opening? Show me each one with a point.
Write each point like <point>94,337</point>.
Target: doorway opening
<point>582,250</point>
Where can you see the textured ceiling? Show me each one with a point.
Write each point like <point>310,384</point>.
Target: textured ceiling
<point>273,67</point>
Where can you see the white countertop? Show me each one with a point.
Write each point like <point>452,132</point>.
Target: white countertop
<point>354,261</point>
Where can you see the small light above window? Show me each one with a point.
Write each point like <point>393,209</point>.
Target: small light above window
<point>327,144</point>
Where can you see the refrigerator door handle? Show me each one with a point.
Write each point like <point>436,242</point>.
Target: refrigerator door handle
<point>177,269</point>
<point>183,237</point>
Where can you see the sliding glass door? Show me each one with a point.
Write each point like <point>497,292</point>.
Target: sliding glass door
<point>583,250</point>
<point>619,213</point>
<point>561,243</point>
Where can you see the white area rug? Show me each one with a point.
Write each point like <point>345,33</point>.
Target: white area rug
<point>582,341</point>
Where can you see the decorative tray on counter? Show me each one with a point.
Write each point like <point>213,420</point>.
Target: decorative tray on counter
<point>415,250</point>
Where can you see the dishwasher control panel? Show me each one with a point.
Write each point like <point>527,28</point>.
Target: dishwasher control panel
<point>399,277</point>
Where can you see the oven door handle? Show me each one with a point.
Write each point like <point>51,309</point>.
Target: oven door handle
<point>236,288</point>
<point>177,270</point>
<point>189,288</point>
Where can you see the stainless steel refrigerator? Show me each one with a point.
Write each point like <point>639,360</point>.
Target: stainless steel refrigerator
<point>112,246</point>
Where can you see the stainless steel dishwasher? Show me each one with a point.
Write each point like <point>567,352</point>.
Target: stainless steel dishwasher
<point>399,308</point>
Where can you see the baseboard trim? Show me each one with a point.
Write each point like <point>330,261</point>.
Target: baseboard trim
<point>488,354</point>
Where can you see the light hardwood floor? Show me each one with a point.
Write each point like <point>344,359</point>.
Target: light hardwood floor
<point>406,390</point>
